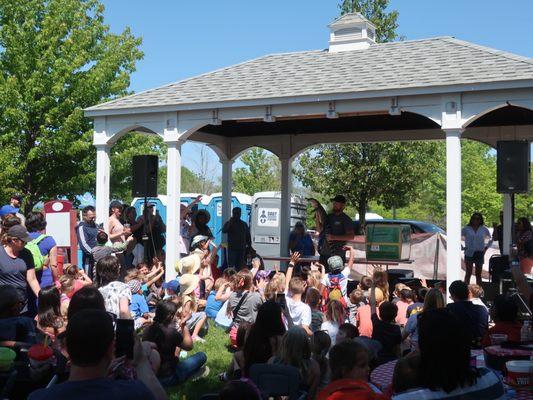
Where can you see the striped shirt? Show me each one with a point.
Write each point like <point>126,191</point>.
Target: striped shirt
<point>488,387</point>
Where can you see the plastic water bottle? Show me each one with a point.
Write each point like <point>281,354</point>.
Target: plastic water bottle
<point>525,332</point>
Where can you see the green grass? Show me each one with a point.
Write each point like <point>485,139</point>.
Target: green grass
<point>218,360</point>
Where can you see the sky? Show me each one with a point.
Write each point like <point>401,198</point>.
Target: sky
<point>183,38</point>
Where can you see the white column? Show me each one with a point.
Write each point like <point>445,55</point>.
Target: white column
<point>507,222</point>
<point>453,205</point>
<point>173,207</point>
<point>103,175</point>
<point>285,213</point>
<point>227,188</point>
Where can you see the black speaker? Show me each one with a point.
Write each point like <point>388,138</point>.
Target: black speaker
<point>145,176</point>
<point>513,166</point>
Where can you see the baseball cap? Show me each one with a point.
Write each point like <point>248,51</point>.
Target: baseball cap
<point>8,209</point>
<point>19,232</point>
<point>173,285</point>
<point>339,199</point>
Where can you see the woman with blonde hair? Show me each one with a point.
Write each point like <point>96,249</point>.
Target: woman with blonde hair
<point>295,350</point>
<point>433,300</point>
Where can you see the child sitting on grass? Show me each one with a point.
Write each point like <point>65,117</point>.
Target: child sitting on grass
<point>138,306</point>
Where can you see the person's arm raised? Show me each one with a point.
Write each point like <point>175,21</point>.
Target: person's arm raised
<point>295,257</point>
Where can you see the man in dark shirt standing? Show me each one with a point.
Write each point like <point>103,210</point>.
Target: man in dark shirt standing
<point>338,228</point>
<point>86,232</point>
<point>476,317</point>
<point>238,239</point>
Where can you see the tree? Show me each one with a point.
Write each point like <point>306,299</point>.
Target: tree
<point>261,172</point>
<point>189,181</point>
<point>56,58</point>
<point>387,173</point>
<point>375,11</point>
<point>133,144</point>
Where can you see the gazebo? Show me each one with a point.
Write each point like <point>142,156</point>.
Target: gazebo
<point>357,90</point>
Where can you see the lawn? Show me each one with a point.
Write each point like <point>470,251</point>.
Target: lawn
<point>218,359</point>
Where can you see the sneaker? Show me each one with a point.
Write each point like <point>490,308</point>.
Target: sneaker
<point>198,339</point>
<point>202,373</point>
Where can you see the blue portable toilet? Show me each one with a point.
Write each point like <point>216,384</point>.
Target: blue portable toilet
<point>213,205</point>
<point>161,203</point>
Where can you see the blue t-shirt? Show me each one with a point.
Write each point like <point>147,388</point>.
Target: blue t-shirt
<point>45,245</point>
<point>212,306</point>
<point>304,245</point>
<point>95,389</point>
<point>138,305</point>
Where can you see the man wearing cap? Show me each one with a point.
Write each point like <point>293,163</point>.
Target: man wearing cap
<point>13,207</point>
<point>16,264</point>
<point>238,239</point>
<point>338,227</point>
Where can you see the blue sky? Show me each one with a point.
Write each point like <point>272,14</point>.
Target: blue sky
<point>185,38</point>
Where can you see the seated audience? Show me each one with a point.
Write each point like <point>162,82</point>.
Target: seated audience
<point>505,315</point>
<point>314,300</point>
<point>474,316</point>
<point>386,332</point>
<point>237,361</point>
<point>242,389</point>
<point>475,295</point>
<point>87,297</point>
<point>102,250</point>
<point>320,345</point>
<point>197,319</point>
<point>264,336</point>
<point>445,370</point>
<point>364,315</point>
<point>407,374</point>
<point>117,295</point>
<point>356,299</point>
<point>90,356</point>
<point>138,306</point>
<point>349,374</point>
<point>295,350</point>
<point>15,328</point>
<point>212,304</point>
<point>346,331</point>
<point>334,318</point>
<point>49,319</point>
<point>243,303</point>
<point>418,301</point>
<point>164,333</point>
<point>433,300</point>
<point>406,300</point>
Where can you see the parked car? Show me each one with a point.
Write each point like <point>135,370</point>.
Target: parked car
<point>416,226</point>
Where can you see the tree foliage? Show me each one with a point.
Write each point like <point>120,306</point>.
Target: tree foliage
<point>56,58</point>
<point>376,12</point>
<point>261,172</point>
<point>387,173</point>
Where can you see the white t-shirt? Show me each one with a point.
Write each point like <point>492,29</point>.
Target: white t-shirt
<point>476,240</point>
<point>332,328</point>
<point>299,311</point>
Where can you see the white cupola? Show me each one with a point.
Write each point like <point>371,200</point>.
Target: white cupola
<point>351,32</point>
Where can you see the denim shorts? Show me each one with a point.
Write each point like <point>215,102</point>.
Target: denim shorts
<point>477,258</point>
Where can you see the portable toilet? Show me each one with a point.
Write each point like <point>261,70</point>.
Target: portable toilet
<point>266,221</point>
<point>214,207</point>
<point>161,203</point>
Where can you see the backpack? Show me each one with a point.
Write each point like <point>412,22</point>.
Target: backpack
<point>33,248</point>
<point>334,290</point>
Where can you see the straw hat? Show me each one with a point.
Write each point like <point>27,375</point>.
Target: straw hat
<point>188,283</point>
<point>188,265</point>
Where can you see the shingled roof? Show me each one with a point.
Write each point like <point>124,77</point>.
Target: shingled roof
<point>441,61</point>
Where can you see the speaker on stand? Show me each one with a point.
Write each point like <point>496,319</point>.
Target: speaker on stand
<point>144,184</point>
